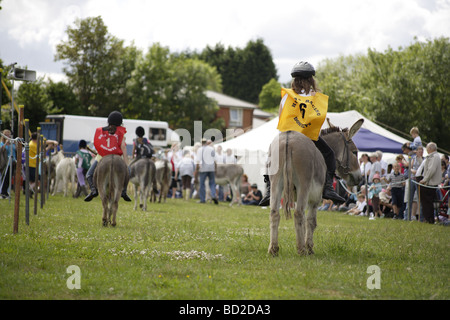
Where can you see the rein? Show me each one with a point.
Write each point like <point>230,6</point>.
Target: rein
<point>344,169</point>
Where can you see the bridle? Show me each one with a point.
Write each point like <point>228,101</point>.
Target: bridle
<point>345,169</point>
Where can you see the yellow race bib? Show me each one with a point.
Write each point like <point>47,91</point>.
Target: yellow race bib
<point>303,114</point>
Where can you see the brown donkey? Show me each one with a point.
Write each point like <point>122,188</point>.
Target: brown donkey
<point>111,176</point>
<point>298,168</point>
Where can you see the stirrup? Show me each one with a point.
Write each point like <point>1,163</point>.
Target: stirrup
<point>265,201</point>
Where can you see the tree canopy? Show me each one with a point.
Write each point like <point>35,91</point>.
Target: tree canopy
<point>399,88</point>
<point>244,71</point>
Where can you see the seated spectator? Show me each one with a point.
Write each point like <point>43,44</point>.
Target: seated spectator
<point>245,186</point>
<point>349,203</point>
<point>253,197</point>
<point>386,202</point>
<point>360,207</point>
<point>326,205</point>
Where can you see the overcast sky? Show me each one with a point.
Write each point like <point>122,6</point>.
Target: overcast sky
<point>293,30</point>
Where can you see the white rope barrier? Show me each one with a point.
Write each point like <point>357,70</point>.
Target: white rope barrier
<point>386,185</point>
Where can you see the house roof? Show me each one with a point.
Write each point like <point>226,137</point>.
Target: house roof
<point>229,102</point>
<point>258,113</point>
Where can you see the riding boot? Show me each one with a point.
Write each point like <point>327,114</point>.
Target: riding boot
<point>265,201</point>
<point>328,191</point>
<point>125,196</point>
<point>94,192</point>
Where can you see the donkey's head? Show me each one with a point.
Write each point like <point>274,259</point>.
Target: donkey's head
<point>345,151</point>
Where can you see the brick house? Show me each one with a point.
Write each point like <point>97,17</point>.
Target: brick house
<point>238,114</point>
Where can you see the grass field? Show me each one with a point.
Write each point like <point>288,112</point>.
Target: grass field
<point>184,250</point>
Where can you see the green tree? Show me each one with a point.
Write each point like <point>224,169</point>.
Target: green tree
<point>97,66</point>
<point>243,71</point>
<point>37,104</point>
<point>340,80</point>
<point>191,79</point>
<point>398,88</point>
<point>149,85</point>
<point>63,98</point>
<point>4,97</point>
<point>269,98</point>
<point>172,88</point>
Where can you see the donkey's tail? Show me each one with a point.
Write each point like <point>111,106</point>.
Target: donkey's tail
<point>165,174</point>
<point>288,183</point>
<point>112,188</point>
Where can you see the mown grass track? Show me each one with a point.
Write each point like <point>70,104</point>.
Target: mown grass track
<point>191,251</point>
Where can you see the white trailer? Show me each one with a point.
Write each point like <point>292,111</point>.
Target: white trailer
<point>70,129</point>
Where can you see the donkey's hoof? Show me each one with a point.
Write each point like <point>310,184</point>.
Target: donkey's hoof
<point>273,251</point>
<point>105,223</point>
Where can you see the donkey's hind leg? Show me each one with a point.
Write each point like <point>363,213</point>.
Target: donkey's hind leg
<point>113,212</point>
<point>275,200</point>
<point>105,211</point>
<point>310,227</point>
<point>300,223</point>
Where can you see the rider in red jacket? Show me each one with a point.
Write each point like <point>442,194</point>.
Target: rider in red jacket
<point>108,140</point>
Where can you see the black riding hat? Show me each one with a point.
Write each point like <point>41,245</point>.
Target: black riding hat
<point>303,69</point>
<point>82,144</point>
<point>115,118</point>
<point>140,132</point>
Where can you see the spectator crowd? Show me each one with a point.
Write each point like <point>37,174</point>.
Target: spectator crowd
<point>387,192</point>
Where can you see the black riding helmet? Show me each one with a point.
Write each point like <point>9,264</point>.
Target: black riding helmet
<point>303,69</point>
<point>115,118</point>
<point>140,132</point>
<point>82,144</point>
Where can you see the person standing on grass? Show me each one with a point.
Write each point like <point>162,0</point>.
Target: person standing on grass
<point>186,171</point>
<point>397,184</point>
<point>206,168</point>
<point>374,194</point>
<point>11,153</point>
<point>431,179</point>
<point>33,156</point>
<point>82,162</point>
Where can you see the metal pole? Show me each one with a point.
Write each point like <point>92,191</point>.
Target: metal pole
<point>49,173</point>
<point>36,178</point>
<point>42,171</point>
<point>18,172</point>
<point>12,107</point>
<point>410,193</point>
<point>1,91</point>
<point>367,191</point>
<point>27,172</point>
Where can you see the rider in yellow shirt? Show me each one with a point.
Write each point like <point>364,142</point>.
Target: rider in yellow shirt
<point>304,109</point>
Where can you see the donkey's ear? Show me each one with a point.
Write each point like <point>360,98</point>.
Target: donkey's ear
<point>330,125</point>
<point>355,128</point>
